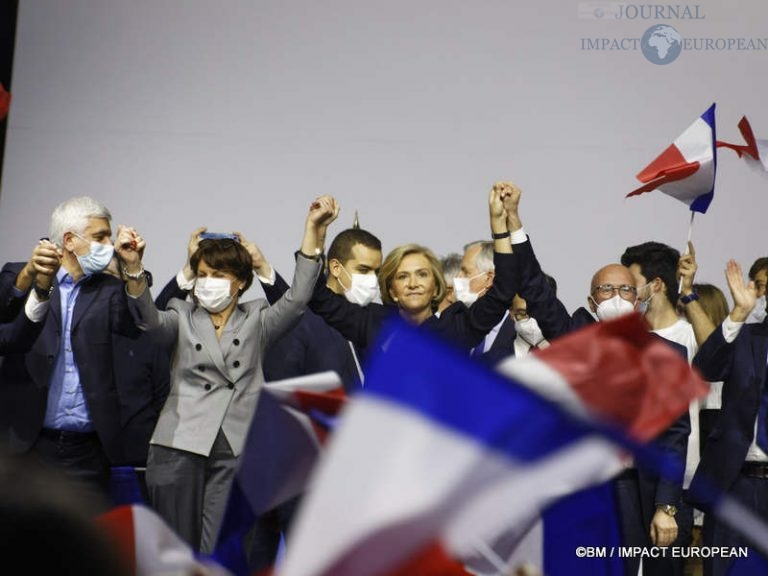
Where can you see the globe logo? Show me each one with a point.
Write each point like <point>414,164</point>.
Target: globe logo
<point>661,44</point>
<point>599,13</point>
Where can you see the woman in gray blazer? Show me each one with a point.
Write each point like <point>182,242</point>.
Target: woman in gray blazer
<point>217,345</point>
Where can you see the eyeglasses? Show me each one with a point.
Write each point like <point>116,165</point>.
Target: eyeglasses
<point>608,290</point>
<point>520,314</point>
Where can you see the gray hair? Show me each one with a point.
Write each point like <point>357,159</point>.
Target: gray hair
<point>72,216</point>
<point>484,258</point>
<point>451,266</point>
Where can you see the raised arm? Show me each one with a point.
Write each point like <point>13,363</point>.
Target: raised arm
<point>694,311</point>
<point>288,309</point>
<point>715,357</point>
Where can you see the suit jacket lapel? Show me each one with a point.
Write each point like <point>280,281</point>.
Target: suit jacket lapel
<point>89,290</point>
<point>203,327</point>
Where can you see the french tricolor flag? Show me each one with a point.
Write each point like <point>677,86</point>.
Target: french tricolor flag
<point>285,439</point>
<point>149,547</point>
<point>686,169</point>
<point>439,458</point>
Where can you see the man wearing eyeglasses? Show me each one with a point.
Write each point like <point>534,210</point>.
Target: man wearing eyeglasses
<point>646,504</point>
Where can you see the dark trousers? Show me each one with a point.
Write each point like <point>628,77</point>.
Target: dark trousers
<point>190,491</point>
<point>752,493</point>
<point>80,456</point>
<point>635,530</point>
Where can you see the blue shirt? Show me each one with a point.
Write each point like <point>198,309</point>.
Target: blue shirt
<point>66,408</point>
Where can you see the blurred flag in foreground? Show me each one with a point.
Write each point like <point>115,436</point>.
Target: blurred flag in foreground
<point>284,441</point>
<point>149,547</point>
<point>686,169</point>
<point>439,457</point>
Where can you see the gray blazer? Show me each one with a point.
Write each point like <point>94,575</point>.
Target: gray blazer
<point>215,384</point>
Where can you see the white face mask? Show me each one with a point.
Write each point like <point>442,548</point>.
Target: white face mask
<point>614,308</point>
<point>98,258</point>
<point>758,313</point>
<point>363,290</point>
<point>462,292</point>
<point>213,294</point>
<point>529,331</point>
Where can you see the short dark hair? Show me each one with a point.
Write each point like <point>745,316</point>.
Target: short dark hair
<point>656,260</point>
<point>551,281</point>
<point>226,255</point>
<point>341,247</point>
<point>758,265</point>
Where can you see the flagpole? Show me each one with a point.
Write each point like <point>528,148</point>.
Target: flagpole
<point>687,244</point>
<point>493,559</point>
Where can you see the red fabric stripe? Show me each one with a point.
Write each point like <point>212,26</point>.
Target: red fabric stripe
<point>119,526</point>
<point>750,149</point>
<point>625,374</point>
<point>671,175</point>
<point>330,402</point>
<point>670,159</point>
<point>5,102</point>
<point>430,561</point>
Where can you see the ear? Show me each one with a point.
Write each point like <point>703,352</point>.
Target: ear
<point>68,241</point>
<point>489,276</point>
<point>334,267</point>
<point>592,304</point>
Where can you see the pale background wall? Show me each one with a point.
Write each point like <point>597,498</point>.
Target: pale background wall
<point>234,114</point>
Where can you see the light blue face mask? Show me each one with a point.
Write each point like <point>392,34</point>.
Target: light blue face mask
<point>98,258</point>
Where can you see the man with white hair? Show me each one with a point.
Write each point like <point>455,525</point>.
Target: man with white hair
<point>59,400</point>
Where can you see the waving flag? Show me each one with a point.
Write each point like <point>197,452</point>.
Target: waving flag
<point>686,169</point>
<point>753,150</point>
<point>284,441</point>
<point>149,546</point>
<point>439,456</point>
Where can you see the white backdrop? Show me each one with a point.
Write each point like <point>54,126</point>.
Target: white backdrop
<point>235,114</point>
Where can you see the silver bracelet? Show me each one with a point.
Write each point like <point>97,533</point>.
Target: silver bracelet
<point>137,276</point>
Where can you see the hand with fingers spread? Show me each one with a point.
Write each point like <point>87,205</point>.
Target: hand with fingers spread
<point>744,295</point>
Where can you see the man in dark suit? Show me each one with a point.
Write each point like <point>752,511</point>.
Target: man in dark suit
<point>647,504</point>
<point>735,458</point>
<point>59,400</point>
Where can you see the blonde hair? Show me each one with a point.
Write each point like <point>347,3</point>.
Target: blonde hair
<point>392,263</point>
<point>713,301</point>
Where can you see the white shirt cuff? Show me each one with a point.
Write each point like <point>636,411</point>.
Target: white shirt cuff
<point>182,281</point>
<point>519,236</point>
<point>270,281</point>
<point>35,309</point>
<point>731,329</point>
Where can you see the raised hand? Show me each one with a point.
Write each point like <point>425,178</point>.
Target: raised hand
<point>46,260</point>
<point>323,211</point>
<point>260,264</point>
<point>744,295</point>
<point>686,270</point>
<point>129,248</point>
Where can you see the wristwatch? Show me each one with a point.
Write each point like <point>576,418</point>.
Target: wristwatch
<point>43,293</point>
<point>689,298</point>
<point>667,509</point>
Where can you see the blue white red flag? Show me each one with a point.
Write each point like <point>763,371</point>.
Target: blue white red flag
<point>284,440</point>
<point>686,169</point>
<point>439,457</point>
